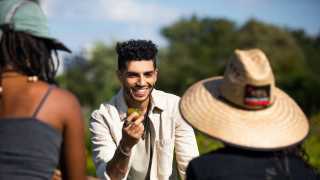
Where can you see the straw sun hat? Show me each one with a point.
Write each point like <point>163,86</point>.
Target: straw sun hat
<point>244,107</point>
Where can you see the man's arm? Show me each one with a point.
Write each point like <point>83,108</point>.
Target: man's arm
<point>131,133</point>
<point>118,165</point>
<point>112,161</point>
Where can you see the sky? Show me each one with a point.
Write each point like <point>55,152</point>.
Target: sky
<point>81,23</point>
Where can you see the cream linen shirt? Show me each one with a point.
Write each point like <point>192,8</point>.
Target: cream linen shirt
<point>172,134</point>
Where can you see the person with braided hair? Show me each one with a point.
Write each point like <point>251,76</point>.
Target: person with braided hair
<point>41,125</point>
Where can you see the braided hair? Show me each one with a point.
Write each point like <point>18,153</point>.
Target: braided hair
<point>29,55</point>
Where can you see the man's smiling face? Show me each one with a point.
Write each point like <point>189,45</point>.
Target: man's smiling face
<point>138,80</point>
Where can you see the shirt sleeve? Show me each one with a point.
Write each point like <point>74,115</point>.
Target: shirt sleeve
<point>186,147</point>
<point>103,144</point>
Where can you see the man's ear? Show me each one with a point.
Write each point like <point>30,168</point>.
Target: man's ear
<point>119,75</point>
<point>156,73</point>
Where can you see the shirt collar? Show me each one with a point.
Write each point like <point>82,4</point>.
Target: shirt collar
<point>156,103</point>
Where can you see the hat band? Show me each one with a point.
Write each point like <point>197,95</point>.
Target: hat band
<point>257,96</point>
<point>254,97</point>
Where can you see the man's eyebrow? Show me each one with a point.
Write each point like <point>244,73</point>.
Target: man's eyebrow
<point>145,72</point>
<point>131,72</point>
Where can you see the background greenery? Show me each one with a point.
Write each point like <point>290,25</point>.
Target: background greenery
<point>199,48</point>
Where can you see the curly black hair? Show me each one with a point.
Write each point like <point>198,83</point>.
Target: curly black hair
<point>136,50</point>
<point>29,55</point>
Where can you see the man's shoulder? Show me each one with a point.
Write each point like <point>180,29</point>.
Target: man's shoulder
<point>106,107</point>
<point>164,95</point>
<point>110,102</point>
<point>164,100</point>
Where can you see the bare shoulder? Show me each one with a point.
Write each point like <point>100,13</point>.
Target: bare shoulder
<point>65,103</point>
<point>60,109</point>
<point>64,97</point>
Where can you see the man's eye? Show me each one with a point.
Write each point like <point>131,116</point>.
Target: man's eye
<point>148,74</point>
<point>131,75</point>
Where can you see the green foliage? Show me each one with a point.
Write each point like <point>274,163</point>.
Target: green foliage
<point>312,143</point>
<point>197,48</point>
<point>308,94</point>
<point>92,76</point>
<point>284,53</point>
<point>206,143</point>
<point>91,169</point>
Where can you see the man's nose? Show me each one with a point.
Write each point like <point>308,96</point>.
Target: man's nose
<point>141,80</point>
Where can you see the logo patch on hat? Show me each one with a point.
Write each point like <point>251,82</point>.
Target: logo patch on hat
<point>257,96</point>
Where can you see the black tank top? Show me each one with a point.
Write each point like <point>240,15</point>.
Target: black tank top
<point>29,148</point>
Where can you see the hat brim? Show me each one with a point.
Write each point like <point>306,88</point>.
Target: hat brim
<point>281,125</point>
<point>57,44</point>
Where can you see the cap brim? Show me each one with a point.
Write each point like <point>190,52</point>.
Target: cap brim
<point>59,45</point>
<point>280,125</point>
<point>55,43</point>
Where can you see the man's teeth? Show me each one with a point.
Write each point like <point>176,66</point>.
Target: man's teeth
<point>140,90</point>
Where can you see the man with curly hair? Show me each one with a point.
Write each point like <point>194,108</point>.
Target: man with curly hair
<point>136,133</point>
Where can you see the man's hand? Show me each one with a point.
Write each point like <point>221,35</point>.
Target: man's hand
<point>132,131</point>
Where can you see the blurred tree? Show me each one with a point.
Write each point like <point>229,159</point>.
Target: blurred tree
<point>197,48</point>
<point>284,53</point>
<point>312,143</point>
<point>91,76</point>
<point>310,46</point>
<point>311,85</point>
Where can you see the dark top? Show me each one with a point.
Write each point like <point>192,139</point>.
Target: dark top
<point>237,164</point>
<point>29,148</point>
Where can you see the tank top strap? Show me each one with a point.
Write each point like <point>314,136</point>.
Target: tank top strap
<point>42,101</point>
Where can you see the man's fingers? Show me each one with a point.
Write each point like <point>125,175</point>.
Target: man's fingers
<point>130,119</point>
<point>133,118</point>
<point>139,120</point>
<point>137,130</point>
<point>127,123</point>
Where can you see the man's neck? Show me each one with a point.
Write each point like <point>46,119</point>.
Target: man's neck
<point>143,106</point>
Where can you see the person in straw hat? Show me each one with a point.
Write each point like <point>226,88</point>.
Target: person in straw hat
<point>260,125</point>
<point>40,124</point>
